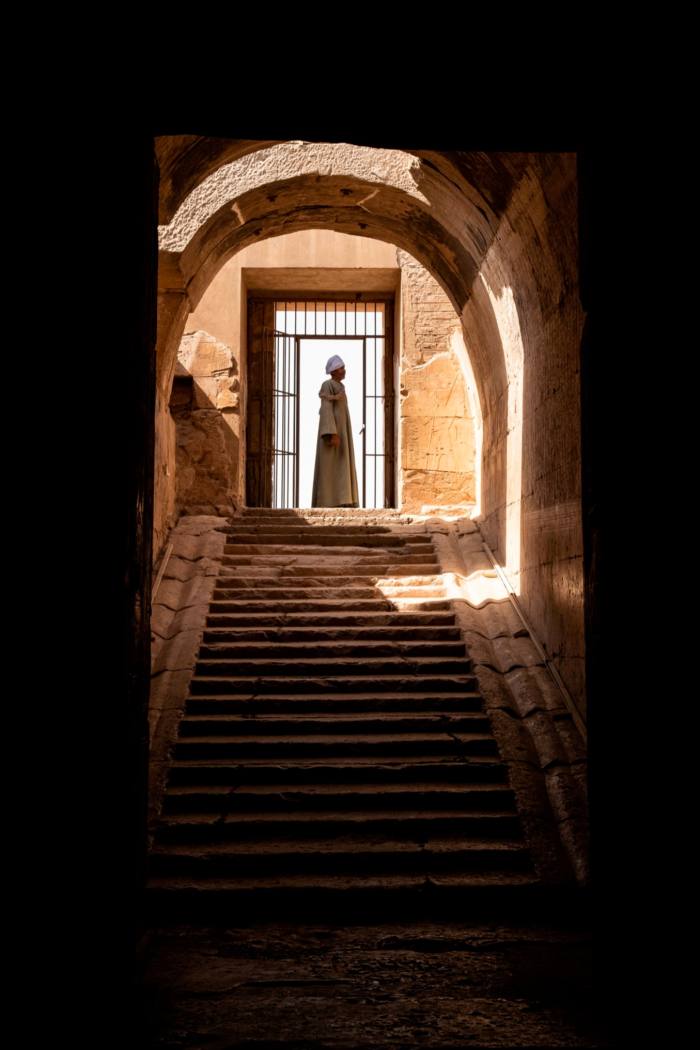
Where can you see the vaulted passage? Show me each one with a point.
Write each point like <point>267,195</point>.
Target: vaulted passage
<point>365,728</point>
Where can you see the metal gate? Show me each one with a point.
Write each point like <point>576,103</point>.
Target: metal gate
<point>284,324</point>
<point>285,409</point>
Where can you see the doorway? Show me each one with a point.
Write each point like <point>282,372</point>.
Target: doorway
<point>289,344</point>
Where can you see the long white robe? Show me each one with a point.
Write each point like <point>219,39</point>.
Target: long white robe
<point>335,478</point>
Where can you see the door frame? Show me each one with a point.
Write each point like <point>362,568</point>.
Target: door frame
<point>260,379</point>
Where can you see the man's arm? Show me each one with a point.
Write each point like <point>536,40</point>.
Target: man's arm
<point>329,429</point>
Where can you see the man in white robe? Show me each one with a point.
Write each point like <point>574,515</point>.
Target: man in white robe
<point>335,478</point>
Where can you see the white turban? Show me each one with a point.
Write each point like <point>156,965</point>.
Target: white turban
<point>334,362</point>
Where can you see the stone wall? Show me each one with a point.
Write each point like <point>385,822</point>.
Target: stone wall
<point>206,409</point>
<point>437,426</point>
<point>531,508</point>
<point>165,479</point>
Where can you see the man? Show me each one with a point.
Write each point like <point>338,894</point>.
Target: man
<point>335,480</point>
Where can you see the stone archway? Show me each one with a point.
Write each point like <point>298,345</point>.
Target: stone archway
<point>436,415</point>
<point>498,234</point>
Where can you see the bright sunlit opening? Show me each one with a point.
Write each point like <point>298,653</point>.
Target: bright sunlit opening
<point>307,334</point>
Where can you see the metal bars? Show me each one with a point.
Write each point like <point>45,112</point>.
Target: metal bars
<point>285,397</point>
<point>336,320</point>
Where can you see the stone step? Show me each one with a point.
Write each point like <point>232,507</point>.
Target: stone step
<point>326,556</point>
<point>332,552</point>
<point>279,553</point>
<point>271,526</point>
<point>312,666</point>
<point>501,894</point>
<point>328,527</point>
<point>308,543</point>
<point>288,797</point>
<point>384,892</point>
<point>344,633</point>
<point>323,649</point>
<point>334,741</point>
<point>328,683</point>
<point>347,595</point>
<point>318,605</point>
<point>259,565</point>
<point>334,582</point>
<point>322,513</point>
<point>324,723</point>
<point>347,769</point>
<point>210,828</point>
<point>298,703</point>
<point>336,586</point>
<point>347,854</point>
<point>235,747</point>
<point>333,618</point>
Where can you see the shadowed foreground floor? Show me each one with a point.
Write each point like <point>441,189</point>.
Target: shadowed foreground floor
<point>395,985</point>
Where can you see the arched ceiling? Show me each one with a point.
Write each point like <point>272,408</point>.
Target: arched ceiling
<point>187,160</point>
<point>439,208</point>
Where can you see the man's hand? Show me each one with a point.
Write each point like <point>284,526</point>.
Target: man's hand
<point>332,439</point>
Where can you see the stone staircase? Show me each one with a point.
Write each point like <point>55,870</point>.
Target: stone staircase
<point>334,741</point>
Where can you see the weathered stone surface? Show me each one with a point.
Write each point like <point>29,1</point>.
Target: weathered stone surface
<point>475,559</point>
<point>194,545</point>
<point>206,467</point>
<point>430,486</point>
<point>168,686</point>
<point>227,394</point>
<point>550,748</point>
<point>502,652</point>
<point>500,618</point>
<point>494,690</point>
<point>201,355</point>
<point>574,745</point>
<point>196,524</point>
<point>165,623</point>
<point>470,542</point>
<point>579,772</point>
<point>555,859</point>
<point>436,444</point>
<point>481,650</point>
<point>483,586</point>
<point>158,767</point>
<point>536,691</point>
<point>546,693</point>
<point>184,569</point>
<point>516,651</point>
<point>490,619</point>
<point>181,652</point>
<point>465,527</point>
<point>177,618</point>
<point>178,594</point>
<point>514,743</point>
<point>567,801</point>
<point>569,805</point>
<point>206,509</point>
<point>433,383</point>
<point>393,986</point>
<point>204,391</point>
